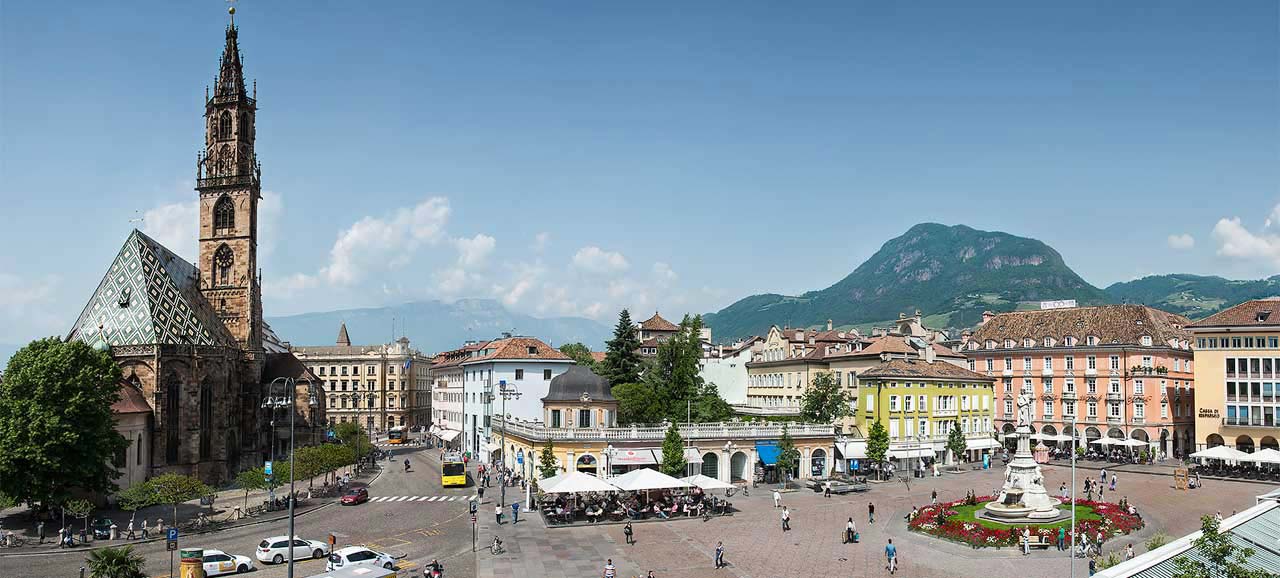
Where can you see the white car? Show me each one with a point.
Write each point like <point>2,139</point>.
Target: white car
<point>217,562</point>
<point>276,549</point>
<point>358,556</point>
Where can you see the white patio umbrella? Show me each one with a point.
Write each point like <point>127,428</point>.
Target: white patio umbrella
<point>1263,456</point>
<point>1132,443</point>
<point>1061,438</point>
<point>1221,453</point>
<point>647,479</point>
<point>1104,442</point>
<point>575,482</point>
<point>707,482</point>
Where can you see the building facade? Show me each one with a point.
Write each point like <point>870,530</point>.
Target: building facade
<point>377,386</point>
<point>1121,371</point>
<point>1237,371</point>
<point>726,367</point>
<point>653,332</point>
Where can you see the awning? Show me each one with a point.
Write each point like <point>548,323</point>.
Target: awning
<point>448,434</point>
<point>692,456</point>
<point>911,453</point>
<point>853,450</point>
<point>768,451</point>
<point>981,444</point>
<point>634,457</point>
<point>489,448</point>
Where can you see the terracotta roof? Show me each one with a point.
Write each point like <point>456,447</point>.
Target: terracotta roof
<point>131,400</point>
<point>918,368</point>
<point>1256,313</point>
<point>597,356</point>
<point>518,348</point>
<point>650,342</point>
<point>1111,324</point>
<point>657,323</point>
<point>944,351</point>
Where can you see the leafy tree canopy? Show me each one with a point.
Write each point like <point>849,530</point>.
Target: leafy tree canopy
<point>956,442</point>
<point>673,462</point>
<point>547,461</point>
<point>1223,558</point>
<point>581,354</point>
<point>637,403</point>
<point>824,401</point>
<point>788,455</point>
<point>877,443</point>
<point>172,489</point>
<point>56,425</point>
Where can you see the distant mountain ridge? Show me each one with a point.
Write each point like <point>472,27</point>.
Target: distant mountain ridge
<point>951,271</point>
<point>435,326</point>
<point>1193,296</point>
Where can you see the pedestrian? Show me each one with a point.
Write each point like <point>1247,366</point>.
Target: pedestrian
<point>145,533</point>
<point>1062,538</point>
<point>62,537</point>
<point>480,492</point>
<point>849,531</point>
<point>871,512</point>
<point>1026,541</point>
<point>1099,544</point>
<point>1128,552</point>
<point>40,530</point>
<point>1062,491</point>
<point>629,533</point>
<point>497,514</point>
<point>160,526</point>
<point>1218,516</point>
<point>777,499</point>
<point>1113,482</point>
<point>649,575</point>
<point>1102,492</point>
<point>515,513</point>
<point>786,519</point>
<point>891,557</point>
<point>826,489</point>
<point>129,533</point>
<point>934,498</point>
<point>1093,565</point>
<point>719,555</point>
<point>1102,477</point>
<point>609,570</point>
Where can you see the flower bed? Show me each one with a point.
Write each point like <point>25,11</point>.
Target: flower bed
<point>944,521</point>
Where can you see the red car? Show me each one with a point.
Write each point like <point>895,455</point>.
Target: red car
<point>355,496</point>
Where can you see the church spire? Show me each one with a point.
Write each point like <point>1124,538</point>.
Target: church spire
<point>343,339</point>
<point>230,74</point>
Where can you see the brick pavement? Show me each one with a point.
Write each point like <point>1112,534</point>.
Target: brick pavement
<point>755,546</point>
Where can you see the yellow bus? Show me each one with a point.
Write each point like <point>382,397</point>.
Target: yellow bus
<point>396,435</point>
<point>453,471</point>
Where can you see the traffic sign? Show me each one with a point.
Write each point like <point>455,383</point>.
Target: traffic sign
<point>172,536</point>
<point>266,468</point>
<point>473,518</point>
<point>170,546</point>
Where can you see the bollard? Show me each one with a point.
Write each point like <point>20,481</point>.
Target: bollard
<point>115,532</point>
<point>192,563</point>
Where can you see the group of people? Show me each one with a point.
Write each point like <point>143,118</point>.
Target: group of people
<point>505,476</point>
<point>638,506</point>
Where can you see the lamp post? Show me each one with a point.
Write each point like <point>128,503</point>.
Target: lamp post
<point>506,393</point>
<point>729,446</point>
<point>267,404</point>
<point>608,461</point>
<point>288,402</point>
<point>1072,554</point>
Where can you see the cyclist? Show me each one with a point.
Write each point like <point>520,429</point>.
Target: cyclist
<point>406,464</point>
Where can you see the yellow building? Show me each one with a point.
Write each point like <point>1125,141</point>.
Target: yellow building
<point>584,436</point>
<point>919,401</point>
<point>1237,373</point>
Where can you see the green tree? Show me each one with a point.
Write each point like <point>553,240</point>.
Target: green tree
<point>78,508</point>
<point>581,354</point>
<point>6,502</point>
<point>1157,540</point>
<point>56,425</point>
<point>622,353</point>
<point>111,562</point>
<point>250,480</point>
<point>1219,556</point>
<point>547,461</point>
<point>637,403</point>
<point>673,463</point>
<point>824,401</point>
<point>174,489</point>
<point>134,498</point>
<point>788,455</point>
<point>710,407</point>
<point>878,444</point>
<point>956,443</point>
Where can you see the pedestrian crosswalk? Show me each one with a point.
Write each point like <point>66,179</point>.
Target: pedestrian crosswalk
<point>419,499</point>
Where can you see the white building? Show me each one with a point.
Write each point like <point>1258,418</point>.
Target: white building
<point>726,366</point>
<point>526,364</point>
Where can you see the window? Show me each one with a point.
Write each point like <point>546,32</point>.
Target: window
<point>893,403</point>
<point>223,259</point>
<point>1115,362</point>
<point>1091,340</point>
<point>1070,362</point>
<point>1091,385</point>
<point>224,126</point>
<point>1048,364</point>
<point>519,374</point>
<point>546,375</point>
<point>973,365</point>
<point>531,350</point>
<point>1069,408</point>
<point>321,370</point>
<point>224,213</point>
<point>1026,385</point>
<point>990,364</point>
<point>1048,342</point>
<point>1146,361</point>
<point>1093,409</point>
<point>1113,409</point>
<point>1008,384</point>
<point>907,401</point>
<point>1069,386</point>
<point>924,427</point>
<point>1164,409</point>
<point>1115,386</point>
<point>1008,407</point>
<point>555,418</point>
<point>344,370</point>
<point>1008,344</point>
<point>370,369</point>
<point>1048,408</point>
<point>1026,364</point>
<point>1048,385</point>
<point>1137,387</point>
<point>871,406</point>
<point>1008,364</point>
<point>1091,362</point>
<point>1146,341</point>
<point>584,418</point>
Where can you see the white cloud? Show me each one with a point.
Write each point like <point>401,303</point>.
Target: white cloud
<point>474,251</point>
<point>372,243</point>
<point>512,297</point>
<point>30,308</point>
<point>1274,218</point>
<point>270,211</point>
<point>1237,242</point>
<point>175,226</point>
<point>597,260</point>
<point>663,274</point>
<point>540,241</point>
<point>1182,242</point>
<point>291,285</point>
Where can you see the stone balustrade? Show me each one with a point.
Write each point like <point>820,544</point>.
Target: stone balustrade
<point>537,431</point>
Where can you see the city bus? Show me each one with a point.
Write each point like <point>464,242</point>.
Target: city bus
<point>396,435</point>
<point>453,471</point>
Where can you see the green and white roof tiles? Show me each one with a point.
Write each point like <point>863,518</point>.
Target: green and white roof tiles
<point>150,296</point>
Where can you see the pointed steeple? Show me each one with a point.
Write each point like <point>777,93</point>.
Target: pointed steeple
<point>343,339</point>
<point>230,74</point>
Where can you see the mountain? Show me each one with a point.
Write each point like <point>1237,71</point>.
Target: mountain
<point>951,273</point>
<point>435,326</point>
<point>1193,296</point>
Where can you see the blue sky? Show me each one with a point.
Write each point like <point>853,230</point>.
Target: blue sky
<point>574,158</point>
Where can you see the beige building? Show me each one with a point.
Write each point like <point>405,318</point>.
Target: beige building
<point>1237,372</point>
<point>653,331</point>
<point>377,386</point>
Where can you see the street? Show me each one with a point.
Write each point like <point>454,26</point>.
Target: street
<point>409,516</point>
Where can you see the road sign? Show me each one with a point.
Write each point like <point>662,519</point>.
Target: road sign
<point>266,468</point>
<point>171,546</point>
<point>172,536</point>
<point>520,457</point>
<point>473,518</point>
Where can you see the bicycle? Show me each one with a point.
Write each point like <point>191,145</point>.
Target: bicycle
<point>13,541</point>
<point>496,547</point>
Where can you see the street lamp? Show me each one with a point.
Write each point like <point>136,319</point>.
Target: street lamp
<point>506,393</point>
<point>268,403</point>
<point>1072,555</point>
<point>608,460</point>
<point>289,402</point>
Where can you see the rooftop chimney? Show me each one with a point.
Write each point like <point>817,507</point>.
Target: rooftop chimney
<point>828,325</point>
<point>928,354</point>
<point>986,316</point>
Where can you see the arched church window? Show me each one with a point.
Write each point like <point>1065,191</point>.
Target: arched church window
<point>244,125</point>
<point>223,258</point>
<point>206,420</point>
<point>224,213</point>
<point>172,417</point>
<point>224,125</point>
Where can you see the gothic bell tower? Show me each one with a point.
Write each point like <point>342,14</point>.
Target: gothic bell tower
<point>228,179</point>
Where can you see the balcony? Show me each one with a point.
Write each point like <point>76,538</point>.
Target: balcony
<point>1138,420</point>
<point>1115,395</point>
<point>1115,419</point>
<point>536,431</point>
<point>1244,422</point>
<point>945,413</point>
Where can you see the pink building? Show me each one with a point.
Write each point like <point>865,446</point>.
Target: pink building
<point>1121,371</point>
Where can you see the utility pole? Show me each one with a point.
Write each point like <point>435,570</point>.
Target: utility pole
<point>506,393</point>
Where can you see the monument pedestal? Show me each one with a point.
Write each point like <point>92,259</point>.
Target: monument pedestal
<point>1023,496</point>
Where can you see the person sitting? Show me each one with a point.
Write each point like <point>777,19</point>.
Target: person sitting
<point>657,509</point>
<point>1134,512</point>
<point>593,514</point>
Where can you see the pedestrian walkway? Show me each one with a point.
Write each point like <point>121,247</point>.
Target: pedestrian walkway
<point>419,499</point>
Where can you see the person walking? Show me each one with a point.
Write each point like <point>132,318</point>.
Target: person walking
<point>145,533</point>
<point>1128,552</point>
<point>777,499</point>
<point>719,555</point>
<point>1026,541</point>
<point>40,530</point>
<point>786,519</point>
<point>1113,482</point>
<point>480,491</point>
<point>515,513</point>
<point>934,498</point>
<point>609,570</point>
<point>849,531</point>
<point>629,533</point>
<point>871,512</point>
<point>1102,476</point>
<point>1093,565</point>
<point>1062,538</point>
<point>891,557</point>
<point>826,490</point>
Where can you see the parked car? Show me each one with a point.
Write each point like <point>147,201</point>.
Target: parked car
<point>355,496</point>
<point>276,549</point>
<point>102,528</point>
<point>217,563</point>
<point>359,556</point>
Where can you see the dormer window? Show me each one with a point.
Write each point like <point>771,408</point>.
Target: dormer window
<point>1069,341</point>
<point>991,344</point>
<point>532,350</point>
<point>1146,341</point>
<point>1008,344</point>
<point>1028,342</point>
<point>1048,342</point>
<point>1091,340</point>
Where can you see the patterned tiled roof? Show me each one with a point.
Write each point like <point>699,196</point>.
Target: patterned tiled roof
<point>1256,313</point>
<point>657,323</point>
<point>1111,324</point>
<point>150,296</point>
<point>918,368</point>
<point>518,348</point>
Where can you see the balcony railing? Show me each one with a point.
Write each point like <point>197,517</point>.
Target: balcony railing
<point>1244,422</point>
<point>697,431</point>
<point>227,181</point>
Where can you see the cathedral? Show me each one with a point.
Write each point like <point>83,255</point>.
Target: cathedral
<point>196,356</point>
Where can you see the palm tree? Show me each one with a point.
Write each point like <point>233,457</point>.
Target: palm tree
<point>116,563</point>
